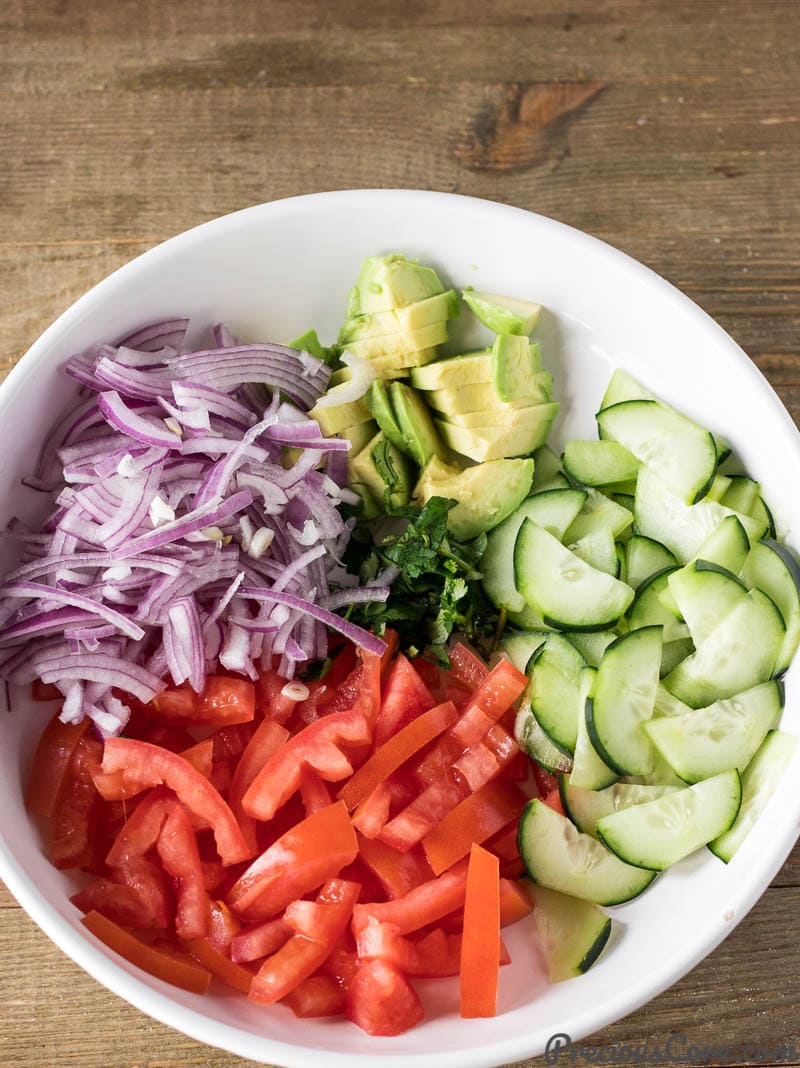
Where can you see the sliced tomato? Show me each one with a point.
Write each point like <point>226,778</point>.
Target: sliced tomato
<point>391,640</point>
<point>475,819</point>
<point>435,956</point>
<point>45,691</point>
<point>372,814</point>
<point>223,926</point>
<point>224,701</point>
<point>301,860</point>
<point>405,696</point>
<point>183,972</point>
<point>496,693</point>
<point>480,947</point>
<point>314,792</point>
<point>136,766</point>
<point>397,750</point>
<point>342,962</point>
<point>117,902</point>
<point>259,941</point>
<point>545,782</point>
<point>300,957</point>
<point>201,757</point>
<point>515,902</point>
<point>218,964</point>
<point>553,800</point>
<point>467,666</point>
<point>271,702</point>
<point>177,848</point>
<point>319,746</point>
<point>76,808</point>
<point>381,1001</point>
<point>148,881</point>
<point>230,742</point>
<point>265,742</point>
<point>425,812</point>
<point>398,872</point>
<point>421,906</point>
<point>51,763</point>
<point>319,995</point>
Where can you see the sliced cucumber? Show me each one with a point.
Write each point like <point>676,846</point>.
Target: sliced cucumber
<point>727,546</point>
<point>555,691</point>
<point>661,775</point>
<point>527,619</point>
<point>591,644</point>
<point>521,647</point>
<point>740,652</point>
<point>599,463</point>
<point>719,487</point>
<point>667,704</point>
<point>706,741</point>
<point>546,464</point>
<point>573,933</point>
<point>772,568</point>
<point>658,833</point>
<point>679,451</point>
<point>741,494</point>
<point>648,609</point>
<point>554,510</point>
<point>623,698</point>
<point>536,743</point>
<point>586,807</point>
<point>556,855</point>
<point>705,593</point>
<point>599,550</point>
<point>762,516</point>
<point>588,770</point>
<point>565,590</point>
<point>598,511</point>
<point>644,558</point>
<point>672,653</point>
<point>683,528</point>
<point>759,781</point>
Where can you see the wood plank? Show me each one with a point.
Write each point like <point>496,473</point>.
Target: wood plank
<point>746,992</point>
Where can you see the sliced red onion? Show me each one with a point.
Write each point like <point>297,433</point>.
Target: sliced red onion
<point>135,426</point>
<point>155,336</point>
<point>100,667</point>
<point>184,644</point>
<point>353,633</point>
<point>194,396</point>
<point>354,595</point>
<point>223,338</point>
<point>137,358</point>
<point>206,516</point>
<point>49,595</point>
<point>362,375</point>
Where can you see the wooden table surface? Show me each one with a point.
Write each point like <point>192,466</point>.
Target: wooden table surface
<point>669,128</point>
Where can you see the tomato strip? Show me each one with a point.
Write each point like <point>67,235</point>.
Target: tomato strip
<point>218,964</point>
<point>313,850</point>
<point>397,872</point>
<point>478,817</point>
<point>405,696</point>
<point>421,906</point>
<point>267,740</point>
<point>184,973</point>
<point>300,956</point>
<point>141,765</point>
<point>480,948</point>
<point>394,753</point>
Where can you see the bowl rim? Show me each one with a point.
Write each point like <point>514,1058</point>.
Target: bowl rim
<point>91,954</point>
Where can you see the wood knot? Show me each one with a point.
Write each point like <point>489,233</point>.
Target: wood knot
<point>520,122</point>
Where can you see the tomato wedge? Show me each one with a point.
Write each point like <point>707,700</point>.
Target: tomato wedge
<point>224,701</point>
<point>405,696</point>
<point>76,808</point>
<point>300,957</point>
<point>480,947</point>
<point>136,766</point>
<point>421,906</point>
<point>314,850</point>
<point>467,667</point>
<point>382,1001</point>
<point>266,741</point>
<point>397,872</point>
<point>51,763</point>
<point>255,943</point>
<point>319,995</point>
<point>177,848</point>
<point>179,971</point>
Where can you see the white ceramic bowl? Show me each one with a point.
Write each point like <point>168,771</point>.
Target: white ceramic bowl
<point>272,271</point>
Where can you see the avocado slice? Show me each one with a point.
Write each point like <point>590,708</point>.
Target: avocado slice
<point>359,435</point>
<point>482,397</point>
<point>377,465</point>
<point>493,442</point>
<point>504,418</point>
<point>503,315</point>
<point>515,365</point>
<point>310,343</point>
<point>410,341</point>
<point>455,371</point>
<point>378,402</point>
<point>416,424</point>
<point>486,493</point>
<point>388,282</point>
<point>405,320</point>
<point>338,417</point>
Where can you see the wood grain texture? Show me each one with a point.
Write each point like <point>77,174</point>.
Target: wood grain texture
<point>669,128</point>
